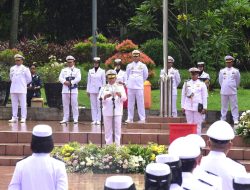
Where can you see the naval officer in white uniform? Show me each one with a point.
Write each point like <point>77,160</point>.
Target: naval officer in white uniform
<point>70,77</point>
<point>194,99</point>
<point>113,95</point>
<point>96,79</point>
<point>40,171</point>
<point>203,76</point>
<point>220,135</point>
<point>20,77</point>
<point>229,79</point>
<point>137,73</point>
<point>121,76</point>
<point>176,79</point>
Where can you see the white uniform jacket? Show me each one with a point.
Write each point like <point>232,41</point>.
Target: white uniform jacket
<point>193,93</point>
<point>95,80</point>
<point>137,73</point>
<point>69,72</point>
<point>39,172</point>
<point>121,77</point>
<point>191,183</point>
<point>229,79</point>
<point>218,164</point>
<point>212,179</point>
<point>174,73</point>
<point>204,76</point>
<point>20,77</point>
<point>108,103</point>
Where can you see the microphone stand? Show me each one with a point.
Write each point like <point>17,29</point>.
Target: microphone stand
<point>113,116</point>
<point>70,94</point>
<point>101,106</point>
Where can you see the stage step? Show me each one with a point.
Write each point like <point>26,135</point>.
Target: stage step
<point>158,119</point>
<point>10,160</point>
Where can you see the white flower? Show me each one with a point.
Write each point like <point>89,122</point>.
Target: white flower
<point>243,114</point>
<point>248,111</point>
<point>82,163</point>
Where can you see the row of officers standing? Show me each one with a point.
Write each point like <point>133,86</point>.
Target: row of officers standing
<point>193,98</point>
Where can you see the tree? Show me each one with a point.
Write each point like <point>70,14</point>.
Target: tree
<point>14,23</point>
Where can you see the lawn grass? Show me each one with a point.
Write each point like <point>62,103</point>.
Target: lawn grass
<point>213,100</point>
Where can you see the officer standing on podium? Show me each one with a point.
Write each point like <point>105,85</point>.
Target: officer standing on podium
<point>176,79</point>
<point>96,79</point>
<point>113,95</point>
<point>20,77</point>
<point>137,73</point>
<point>70,77</point>
<point>229,79</point>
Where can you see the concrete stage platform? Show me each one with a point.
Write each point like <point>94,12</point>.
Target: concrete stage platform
<point>15,144</point>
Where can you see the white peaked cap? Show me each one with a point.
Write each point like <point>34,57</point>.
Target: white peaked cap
<point>118,60</point>
<point>229,57</point>
<point>170,58</point>
<point>171,149</point>
<point>70,57</point>
<point>111,72</point>
<point>201,63</point>
<point>242,178</point>
<point>184,149</point>
<point>119,182</point>
<point>158,169</point>
<point>196,139</point>
<point>18,56</point>
<point>166,158</point>
<point>96,58</point>
<point>194,69</point>
<point>135,52</point>
<point>221,130</point>
<point>42,131</point>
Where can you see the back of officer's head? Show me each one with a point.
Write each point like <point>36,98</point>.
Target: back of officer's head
<point>42,141</point>
<point>187,151</point>
<point>220,134</point>
<point>175,166</point>
<point>157,176</point>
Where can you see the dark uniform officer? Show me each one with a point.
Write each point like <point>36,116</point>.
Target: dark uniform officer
<point>33,88</point>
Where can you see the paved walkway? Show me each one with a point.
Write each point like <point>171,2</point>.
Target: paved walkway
<point>76,181</point>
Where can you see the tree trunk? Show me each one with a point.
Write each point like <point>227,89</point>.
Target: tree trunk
<point>14,23</point>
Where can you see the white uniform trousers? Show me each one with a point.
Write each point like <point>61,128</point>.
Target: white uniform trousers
<point>225,99</point>
<point>138,95</point>
<point>95,107</point>
<point>174,108</point>
<point>109,130</point>
<point>74,106</point>
<point>194,117</point>
<point>21,98</point>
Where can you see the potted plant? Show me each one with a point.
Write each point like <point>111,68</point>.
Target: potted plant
<point>243,129</point>
<point>6,60</point>
<point>53,88</point>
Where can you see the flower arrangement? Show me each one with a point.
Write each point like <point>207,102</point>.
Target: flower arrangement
<point>124,50</point>
<point>50,71</point>
<point>243,128</point>
<point>109,159</point>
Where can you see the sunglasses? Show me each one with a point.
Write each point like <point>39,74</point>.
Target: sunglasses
<point>18,60</point>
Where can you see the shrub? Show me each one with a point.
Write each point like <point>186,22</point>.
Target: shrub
<point>4,72</point>
<point>154,49</point>
<point>124,53</point>
<point>100,38</point>
<point>7,55</point>
<point>84,50</point>
<point>50,71</point>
